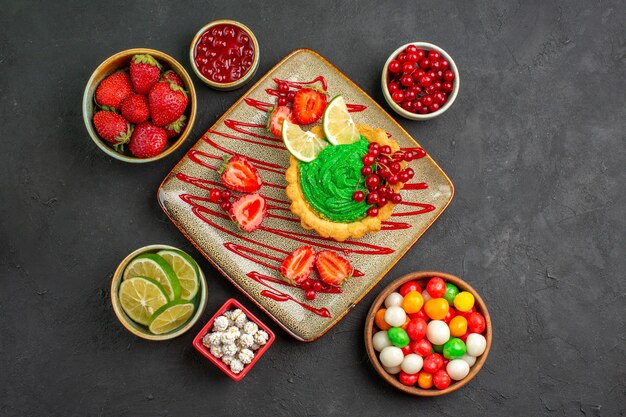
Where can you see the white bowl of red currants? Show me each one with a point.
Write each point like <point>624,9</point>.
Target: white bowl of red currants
<point>420,81</point>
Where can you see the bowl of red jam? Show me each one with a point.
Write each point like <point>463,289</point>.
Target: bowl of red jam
<point>224,54</point>
<point>420,81</point>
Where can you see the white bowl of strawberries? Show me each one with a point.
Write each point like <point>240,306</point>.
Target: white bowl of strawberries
<point>420,81</point>
<point>139,105</point>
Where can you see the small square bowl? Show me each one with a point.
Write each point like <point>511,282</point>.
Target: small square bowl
<point>228,305</point>
<point>385,77</point>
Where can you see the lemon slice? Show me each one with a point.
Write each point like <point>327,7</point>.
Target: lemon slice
<point>303,145</point>
<point>170,317</point>
<point>339,127</point>
<point>152,266</point>
<point>186,270</point>
<point>140,297</point>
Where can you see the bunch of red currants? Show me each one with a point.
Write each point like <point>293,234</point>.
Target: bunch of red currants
<point>420,81</point>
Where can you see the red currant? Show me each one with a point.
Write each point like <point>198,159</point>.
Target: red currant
<point>433,107</point>
<point>401,57</point>
<point>424,63</point>
<point>358,196</point>
<point>283,88</point>
<point>426,81</point>
<point>403,177</point>
<point>395,167</point>
<point>310,295</point>
<point>418,74</point>
<point>226,195</point>
<point>447,86</point>
<point>431,89</point>
<point>398,96</point>
<point>382,201</point>
<point>423,110</point>
<point>412,58</point>
<point>365,171</point>
<point>444,64</point>
<point>372,198</point>
<point>407,80</point>
<point>427,100</point>
<point>435,65</point>
<point>290,96</point>
<point>433,75</point>
<point>306,284</point>
<point>393,180</point>
<point>448,75</point>
<point>394,66</point>
<point>393,86</point>
<point>411,49</point>
<point>386,150</point>
<point>407,105</point>
<point>215,195</point>
<point>410,172</point>
<point>420,53</point>
<point>369,160</point>
<point>382,190</point>
<point>439,98</point>
<point>409,95</point>
<point>225,205</point>
<point>372,182</point>
<point>408,67</point>
<point>384,172</point>
<point>317,286</point>
<point>372,211</point>
<point>372,146</point>
<point>434,55</point>
<point>396,198</point>
<point>409,156</point>
<point>415,89</point>
<point>282,101</point>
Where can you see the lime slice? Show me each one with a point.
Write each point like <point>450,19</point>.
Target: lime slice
<point>303,145</point>
<point>186,270</point>
<point>153,266</point>
<point>140,297</point>
<point>170,317</point>
<point>339,127</point>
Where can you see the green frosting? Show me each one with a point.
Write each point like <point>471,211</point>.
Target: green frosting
<point>329,181</point>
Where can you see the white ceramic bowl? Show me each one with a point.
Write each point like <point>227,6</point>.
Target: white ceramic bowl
<point>384,80</point>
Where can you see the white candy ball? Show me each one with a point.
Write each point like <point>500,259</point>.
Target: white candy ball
<point>471,360</point>
<point>381,340</point>
<point>437,332</point>
<point>412,363</point>
<point>426,296</point>
<point>393,370</point>
<point>391,356</point>
<point>476,344</point>
<point>457,369</point>
<point>395,316</point>
<point>393,299</point>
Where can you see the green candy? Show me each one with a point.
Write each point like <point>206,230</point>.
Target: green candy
<point>438,348</point>
<point>454,348</point>
<point>398,337</point>
<point>451,292</point>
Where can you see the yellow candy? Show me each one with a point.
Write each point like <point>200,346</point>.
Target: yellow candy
<point>464,301</point>
<point>458,326</point>
<point>436,308</point>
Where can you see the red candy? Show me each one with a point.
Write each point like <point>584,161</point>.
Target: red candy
<point>406,350</point>
<point>450,316</point>
<point>408,379</point>
<point>433,363</point>
<point>441,379</point>
<point>465,313</point>
<point>436,287</point>
<point>475,323</point>
<point>421,347</point>
<point>419,315</point>
<point>407,287</point>
<point>416,329</point>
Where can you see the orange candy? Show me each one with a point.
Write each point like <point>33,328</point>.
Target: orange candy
<point>413,302</point>
<point>425,380</point>
<point>436,308</point>
<point>458,326</point>
<point>379,319</point>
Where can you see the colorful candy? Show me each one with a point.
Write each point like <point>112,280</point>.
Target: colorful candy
<point>430,338</point>
<point>399,337</point>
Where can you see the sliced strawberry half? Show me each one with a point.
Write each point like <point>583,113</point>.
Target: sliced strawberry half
<point>248,211</point>
<point>332,268</point>
<point>309,105</point>
<point>239,174</point>
<point>298,266</point>
<point>276,118</point>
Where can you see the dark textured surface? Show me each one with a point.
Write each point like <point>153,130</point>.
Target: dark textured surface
<point>534,145</point>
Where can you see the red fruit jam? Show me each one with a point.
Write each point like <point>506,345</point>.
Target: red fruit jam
<point>224,53</point>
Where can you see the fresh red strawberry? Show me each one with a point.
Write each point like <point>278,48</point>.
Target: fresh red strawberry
<point>276,117</point>
<point>174,129</point>
<point>113,89</point>
<point>147,140</point>
<point>172,77</point>
<point>298,266</point>
<point>135,108</point>
<point>309,105</point>
<point>167,103</point>
<point>248,211</point>
<point>332,268</point>
<point>239,174</point>
<point>145,72</point>
<point>112,127</point>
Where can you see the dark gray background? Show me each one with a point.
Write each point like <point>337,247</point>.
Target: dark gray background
<point>534,145</point>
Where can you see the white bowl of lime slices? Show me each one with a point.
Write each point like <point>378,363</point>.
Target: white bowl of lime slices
<point>158,292</point>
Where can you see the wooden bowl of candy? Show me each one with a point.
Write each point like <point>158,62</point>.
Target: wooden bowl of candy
<point>428,333</point>
<point>234,339</point>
